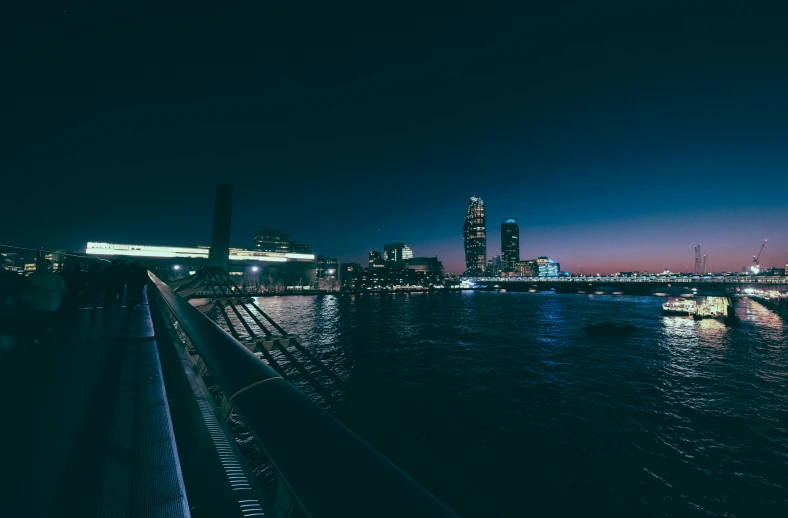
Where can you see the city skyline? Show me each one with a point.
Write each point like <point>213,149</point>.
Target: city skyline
<point>618,144</point>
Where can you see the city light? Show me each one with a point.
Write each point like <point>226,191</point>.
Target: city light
<point>176,267</point>
<point>255,268</point>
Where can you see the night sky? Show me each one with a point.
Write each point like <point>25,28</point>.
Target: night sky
<point>619,139</point>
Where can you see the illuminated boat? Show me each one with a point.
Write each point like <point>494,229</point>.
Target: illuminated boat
<point>679,306</point>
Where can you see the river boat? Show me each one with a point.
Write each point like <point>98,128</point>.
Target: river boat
<point>679,306</point>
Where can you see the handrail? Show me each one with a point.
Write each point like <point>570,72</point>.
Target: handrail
<point>328,469</point>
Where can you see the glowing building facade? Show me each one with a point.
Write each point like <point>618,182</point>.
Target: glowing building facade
<point>397,252</point>
<point>475,237</point>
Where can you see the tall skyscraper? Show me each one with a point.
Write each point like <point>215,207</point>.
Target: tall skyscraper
<point>397,252</point>
<point>510,244</point>
<point>475,236</point>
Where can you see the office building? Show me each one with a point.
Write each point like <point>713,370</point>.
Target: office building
<point>510,244</point>
<point>376,260</point>
<point>495,266</point>
<point>527,268</point>
<point>475,237</point>
<point>547,268</point>
<point>423,271</point>
<point>272,241</point>
<point>397,252</point>
<point>327,273</point>
<point>350,275</point>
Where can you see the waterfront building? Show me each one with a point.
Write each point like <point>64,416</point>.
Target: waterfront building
<point>268,240</point>
<point>475,237</point>
<point>397,252</point>
<point>423,271</point>
<point>527,268</point>
<point>327,273</point>
<point>350,276</point>
<point>416,271</point>
<point>494,266</point>
<point>428,269</point>
<point>376,260</point>
<point>510,244</point>
<point>547,267</point>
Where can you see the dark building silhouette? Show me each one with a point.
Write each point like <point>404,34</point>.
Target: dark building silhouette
<point>494,266</point>
<point>475,237</point>
<point>510,244</point>
<point>272,241</point>
<point>376,260</point>
<point>350,276</point>
<point>423,271</point>
<point>299,248</point>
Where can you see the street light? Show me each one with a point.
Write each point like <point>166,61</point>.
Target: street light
<point>176,267</point>
<point>255,268</point>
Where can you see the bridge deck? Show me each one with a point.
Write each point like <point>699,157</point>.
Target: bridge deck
<point>85,427</point>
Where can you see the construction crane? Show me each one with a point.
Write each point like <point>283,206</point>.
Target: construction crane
<point>756,266</point>
<point>697,269</point>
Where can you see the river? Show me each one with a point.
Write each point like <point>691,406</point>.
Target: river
<point>682,418</point>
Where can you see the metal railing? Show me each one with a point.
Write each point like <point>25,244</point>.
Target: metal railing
<point>326,468</point>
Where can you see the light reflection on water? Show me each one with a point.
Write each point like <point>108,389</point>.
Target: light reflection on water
<point>682,418</point>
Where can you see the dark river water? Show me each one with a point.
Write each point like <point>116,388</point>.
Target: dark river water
<point>683,418</point>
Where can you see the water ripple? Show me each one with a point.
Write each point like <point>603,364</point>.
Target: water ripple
<point>683,418</point>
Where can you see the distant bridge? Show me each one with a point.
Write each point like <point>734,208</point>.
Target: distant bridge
<point>634,285</point>
<point>726,279</point>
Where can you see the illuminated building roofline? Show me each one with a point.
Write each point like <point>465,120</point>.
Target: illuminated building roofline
<point>165,252</point>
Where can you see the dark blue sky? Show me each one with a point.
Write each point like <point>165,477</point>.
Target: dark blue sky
<point>619,139</point>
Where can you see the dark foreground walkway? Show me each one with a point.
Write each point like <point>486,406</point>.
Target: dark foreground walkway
<point>84,423</point>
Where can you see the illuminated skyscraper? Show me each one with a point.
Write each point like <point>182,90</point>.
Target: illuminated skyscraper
<point>475,235</point>
<point>510,244</point>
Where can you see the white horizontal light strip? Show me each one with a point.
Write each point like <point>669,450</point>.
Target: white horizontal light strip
<point>236,254</point>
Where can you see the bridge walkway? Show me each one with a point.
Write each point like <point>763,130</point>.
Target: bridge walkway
<point>86,427</point>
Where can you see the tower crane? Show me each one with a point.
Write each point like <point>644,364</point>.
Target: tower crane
<point>756,266</point>
<point>697,270</point>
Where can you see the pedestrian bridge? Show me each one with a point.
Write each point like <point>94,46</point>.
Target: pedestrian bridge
<point>134,411</point>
